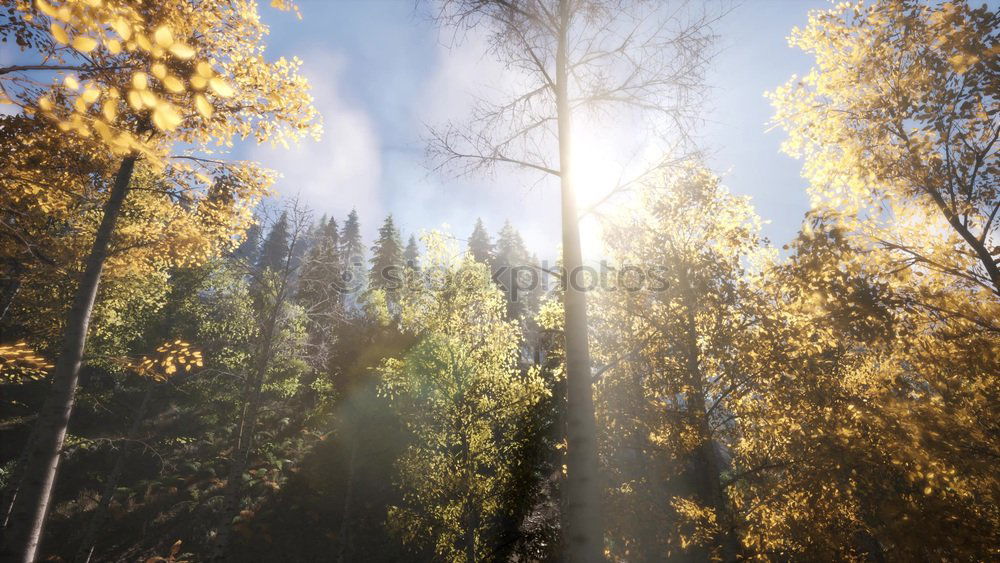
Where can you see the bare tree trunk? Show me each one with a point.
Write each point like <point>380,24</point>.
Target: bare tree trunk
<point>86,550</point>
<point>582,512</point>
<point>23,534</point>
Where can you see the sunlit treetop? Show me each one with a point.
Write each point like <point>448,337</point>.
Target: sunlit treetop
<point>175,83</point>
<point>898,123</point>
<point>138,74</point>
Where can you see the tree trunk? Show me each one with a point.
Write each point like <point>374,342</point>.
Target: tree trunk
<point>582,513</point>
<point>245,433</point>
<point>706,462</point>
<point>29,509</point>
<point>86,550</point>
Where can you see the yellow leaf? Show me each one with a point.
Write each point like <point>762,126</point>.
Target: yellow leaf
<point>165,117</point>
<point>71,82</point>
<point>203,106</point>
<point>221,87</point>
<point>163,37</point>
<point>198,82</point>
<point>110,110</point>
<point>159,70</point>
<point>46,8</point>
<point>59,34</point>
<point>134,100</point>
<point>204,69</point>
<point>84,44</point>
<point>181,51</point>
<point>114,46</point>
<point>140,81</point>
<point>45,103</point>
<point>122,28</point>
<point>148,98</point>
<point>90,95</point>
<point>173,84</point>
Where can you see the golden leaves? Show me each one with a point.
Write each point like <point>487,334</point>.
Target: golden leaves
<point>181,51</point>
<point>163,36</point>
<point>84,44</point>
<point>173,84</point>
<point>19,363</point>
<point>221,87</point>
<point>203,106</point>
<point>59,34</point>
<point>168,360</point>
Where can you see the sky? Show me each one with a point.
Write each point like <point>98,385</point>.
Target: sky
<point>382,72</point>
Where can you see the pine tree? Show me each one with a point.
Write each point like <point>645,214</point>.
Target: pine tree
<point>249,250</point>
<point>480,245</point>
<point>387,259</point>
<point>352,254</point>
<point>411,255</point>
<point>274,251</point>
<point>321,271</point>
<point>510,259</point>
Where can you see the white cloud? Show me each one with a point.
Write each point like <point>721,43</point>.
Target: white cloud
<point>341,171</point>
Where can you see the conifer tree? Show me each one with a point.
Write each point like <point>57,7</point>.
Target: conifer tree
<point>352,253</point>
<point>387,259</point>
<point>510,258</point>
<point>274,251</point>
<point>249,249</point>
<point>480,245</point>
<point>411,254</point>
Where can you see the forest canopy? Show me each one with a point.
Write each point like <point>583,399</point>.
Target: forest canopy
<point>199,362</point>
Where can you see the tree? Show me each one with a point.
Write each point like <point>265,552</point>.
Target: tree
<point>273,291</point>
<point>676,341</point>
<point>460,393</point>
<point>480,245</point>
<point>352,251</point>
<point>249,248</point>
<point>387,260</point>
<point>898,125</point>
<point>115,48</point>
<point>274,251</point>
<point>411,254</point>
<point>510,260</point>
<point>571,55</point>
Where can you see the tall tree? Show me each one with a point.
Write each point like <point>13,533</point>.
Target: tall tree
<point>674,337</point>
<point>510,259</point>
<point>461,394</point>
<point>273,289</point>
<point>387,260</point>
<point>899,127</point>
<point>150,64</point>
<point>274,250</point>
<point>480,245</point>
<point>352,251</point>
<point>411,254</point>
<point>572,54</point>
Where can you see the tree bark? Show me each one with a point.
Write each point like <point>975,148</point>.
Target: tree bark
<point>582,513</point>
<point>253,398</point>
<point>23,534</point>
<point>707,465</point>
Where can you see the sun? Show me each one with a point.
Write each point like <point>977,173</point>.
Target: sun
<point>595,173</point>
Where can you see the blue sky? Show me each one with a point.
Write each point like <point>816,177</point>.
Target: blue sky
<point>381,71</point>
